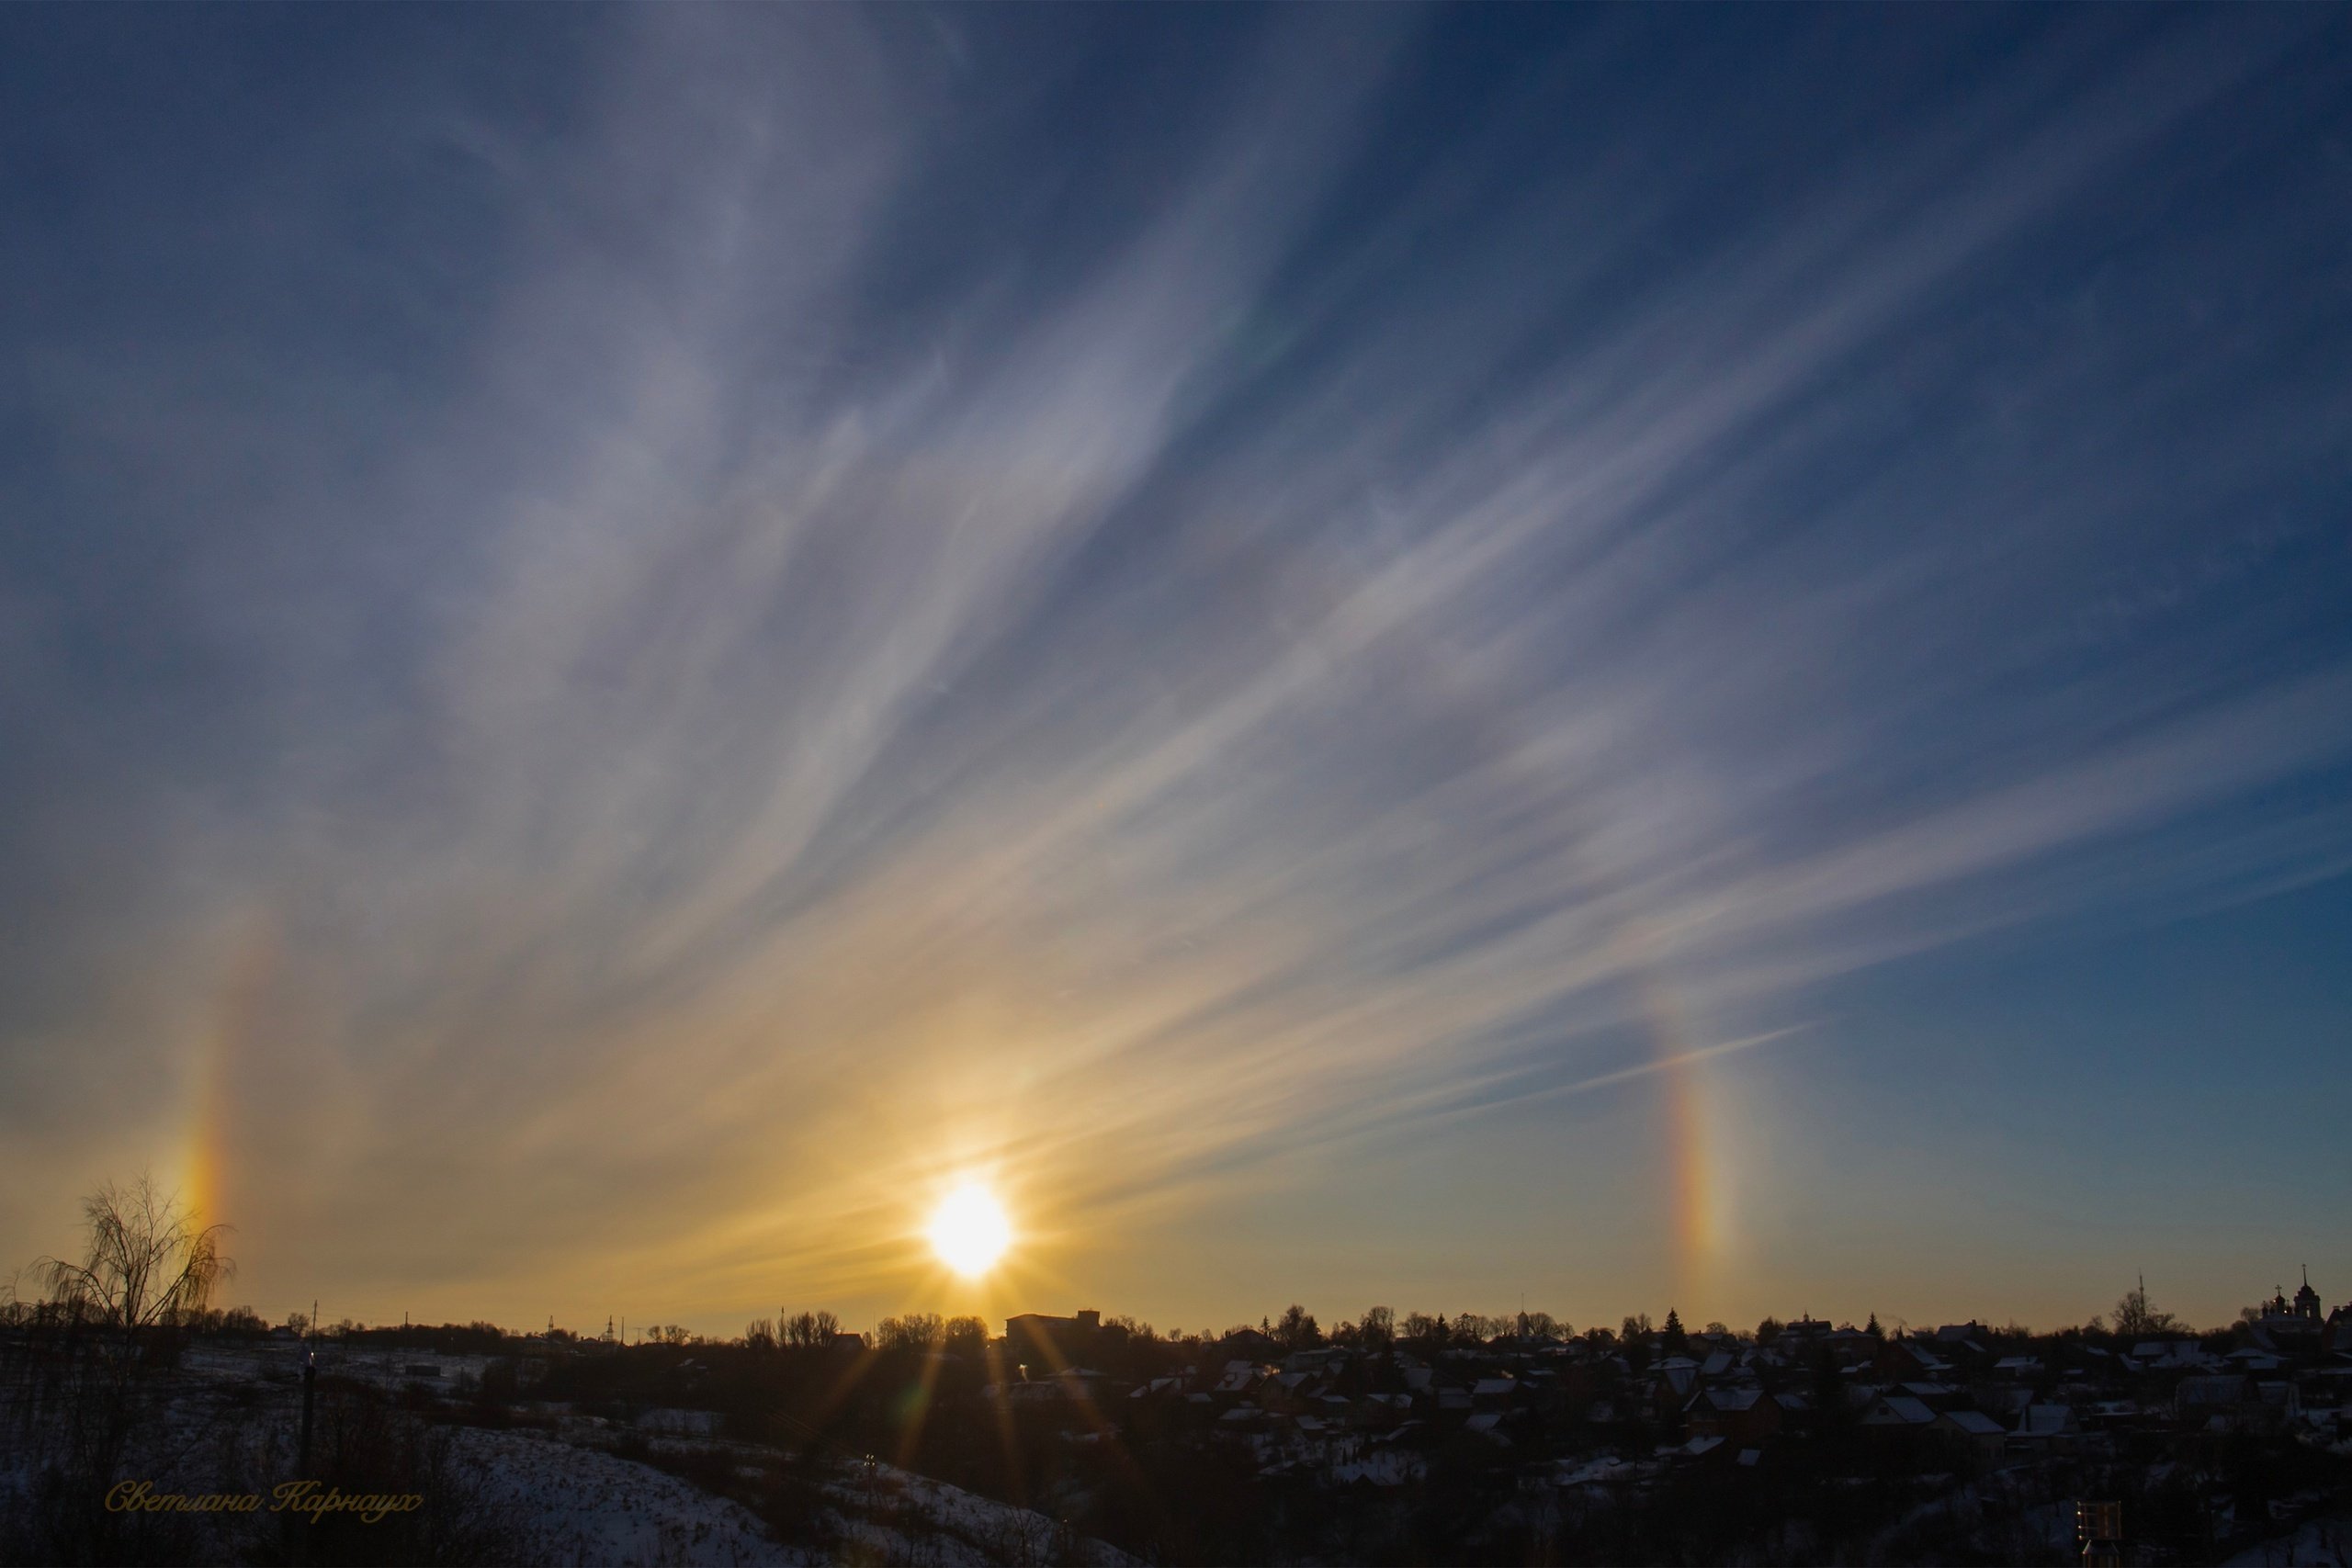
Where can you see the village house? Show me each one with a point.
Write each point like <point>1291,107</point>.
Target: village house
<point>1744,1416</point>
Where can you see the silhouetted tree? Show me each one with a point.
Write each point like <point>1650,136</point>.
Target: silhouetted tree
<point>1297,1330</point>
<point>915,1331</point>
<point>1634,1339</point>
<point>2134,1315</point>
<point>969,1338</point>
<point>145,1261</point>
<point>809,1328</point>
<point>1672,1337</point>
<point>147,1266</point>
<point>1536,1324</point>
<point>1473,1328</point>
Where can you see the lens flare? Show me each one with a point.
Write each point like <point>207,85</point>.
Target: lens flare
<point>968,1230</point>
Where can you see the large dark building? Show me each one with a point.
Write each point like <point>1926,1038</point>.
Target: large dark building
<point>1044,1343</point>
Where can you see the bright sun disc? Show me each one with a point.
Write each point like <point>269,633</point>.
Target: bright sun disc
<point>968,1230</point>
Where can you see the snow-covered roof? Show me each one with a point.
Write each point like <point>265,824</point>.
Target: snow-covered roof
<point>1899,1409</point>
<point>1975,1423</point>
<point>2045,1420</point>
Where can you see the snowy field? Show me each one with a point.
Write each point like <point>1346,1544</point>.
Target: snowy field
<point>573,1502</point>
<point>575,1505</point>
<point>2320,1543</point>
<point>899,1516</point>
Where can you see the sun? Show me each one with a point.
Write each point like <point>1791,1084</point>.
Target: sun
<point>968,1230</point>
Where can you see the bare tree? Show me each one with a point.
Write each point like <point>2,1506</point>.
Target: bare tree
<point>1474,1328</point>
<point>811,1328</point>
<point>147,1266</point>
<point>915,1331</point>
<point>969,1338</point>
<point>2134,1315</point>
<point>146,1262</point>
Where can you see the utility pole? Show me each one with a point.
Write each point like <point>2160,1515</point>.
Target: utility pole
<point>309,1386</point>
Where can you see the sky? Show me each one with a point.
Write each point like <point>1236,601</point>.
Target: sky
<point>1600,659</point>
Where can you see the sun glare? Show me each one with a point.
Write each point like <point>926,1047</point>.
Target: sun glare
<point>968,1230</point>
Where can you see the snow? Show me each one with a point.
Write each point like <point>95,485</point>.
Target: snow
<point>902,1516</point>
<point>576,1505</point>
<point>570,1500</point>
<point>2319,1542</point>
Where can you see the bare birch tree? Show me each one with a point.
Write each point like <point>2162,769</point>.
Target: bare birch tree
<point>146,1261</point>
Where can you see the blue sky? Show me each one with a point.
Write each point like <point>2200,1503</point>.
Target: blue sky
<point>1633,657</point>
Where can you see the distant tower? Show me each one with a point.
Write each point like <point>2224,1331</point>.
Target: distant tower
<point>2307,1299</point>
